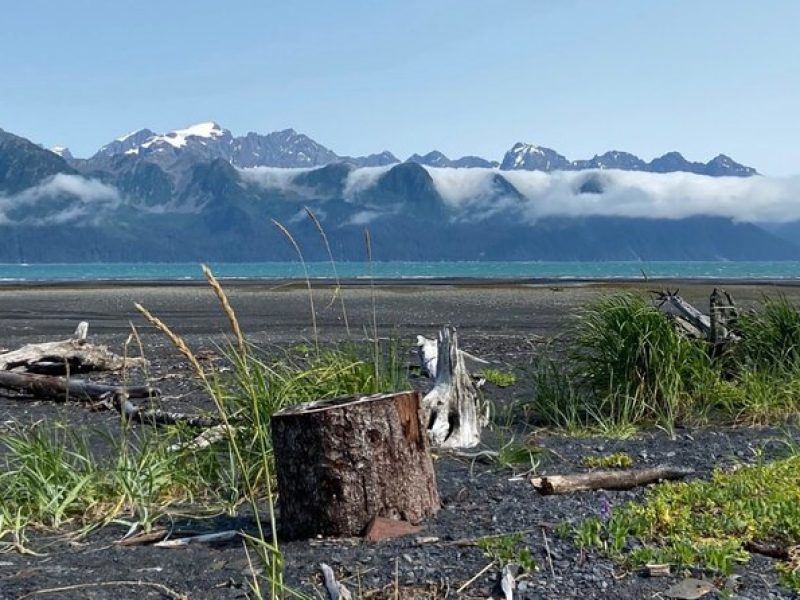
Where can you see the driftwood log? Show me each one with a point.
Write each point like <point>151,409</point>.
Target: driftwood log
<point>342,462</point>
<point>606,480</point>
<point>74,355</point>
<point>31,372</point>
<point>65,389</point>
<point>717,328</point>
<point>454,411</point>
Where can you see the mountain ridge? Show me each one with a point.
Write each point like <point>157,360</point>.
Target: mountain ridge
<point>290,149</point>
<point>177,199</point>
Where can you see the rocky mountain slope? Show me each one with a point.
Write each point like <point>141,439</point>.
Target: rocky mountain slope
<point>201,194</point>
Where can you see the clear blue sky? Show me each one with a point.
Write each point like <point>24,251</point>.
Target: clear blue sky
<point>461,76</point>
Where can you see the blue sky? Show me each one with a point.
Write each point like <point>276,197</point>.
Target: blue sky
<point>461,76</point>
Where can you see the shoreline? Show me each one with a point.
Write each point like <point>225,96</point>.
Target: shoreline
<point>384,283</point>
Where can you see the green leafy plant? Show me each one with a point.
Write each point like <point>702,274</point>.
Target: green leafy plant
<point>498,377</point>
<point>704,524</point>
<point>508,549</point>
<point>617,460</point>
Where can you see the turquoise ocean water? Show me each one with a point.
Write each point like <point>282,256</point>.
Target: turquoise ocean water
<point>403,270</point>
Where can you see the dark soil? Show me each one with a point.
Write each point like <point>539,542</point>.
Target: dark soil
<point>508,325</point>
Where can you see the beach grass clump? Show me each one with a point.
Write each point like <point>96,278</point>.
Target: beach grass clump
<point>51,477</point>
<point>705,524</point>
<point>625,365</point>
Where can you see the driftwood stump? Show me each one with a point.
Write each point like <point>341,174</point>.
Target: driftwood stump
<point>455,412</point>
<point>342,462</point>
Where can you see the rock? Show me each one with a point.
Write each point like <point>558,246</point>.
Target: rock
<point>381,528</point>
<point>690,589</point>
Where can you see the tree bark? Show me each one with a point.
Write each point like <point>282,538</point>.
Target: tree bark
<point>342,462</point>
<point>606,480</point>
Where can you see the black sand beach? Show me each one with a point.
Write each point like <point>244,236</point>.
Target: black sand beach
<point>504,322</point>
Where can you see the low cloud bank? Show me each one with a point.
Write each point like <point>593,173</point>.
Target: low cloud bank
<point>479,193</point>
<point>60,199</point>
<point>628,194</point>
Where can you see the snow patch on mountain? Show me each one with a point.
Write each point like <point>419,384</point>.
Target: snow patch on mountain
<point>180,137</point>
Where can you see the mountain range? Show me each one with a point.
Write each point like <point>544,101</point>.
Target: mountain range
<point>202,194</point>
<point>290,149</point>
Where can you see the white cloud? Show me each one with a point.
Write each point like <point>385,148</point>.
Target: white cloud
<point>86,199</point>
<point>362,179</point>
<point>626,194</point>
<point>475,194</point>
<point>364,217</point>
<point>273,178</point>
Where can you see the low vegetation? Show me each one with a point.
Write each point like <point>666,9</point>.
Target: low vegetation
<point>617,460</point>
<point>498,377</point>
<point>626,366</point>
<point>706,524</point>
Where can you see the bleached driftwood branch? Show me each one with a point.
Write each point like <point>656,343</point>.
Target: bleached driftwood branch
<point>606,480</point>
<point>76,355</point>
<point>716,327</point>
<point>454,411</point>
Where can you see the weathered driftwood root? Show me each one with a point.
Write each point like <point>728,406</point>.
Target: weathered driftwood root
<point>428,353</point>
<point>686,317</point>
<point>717,328</point>
<point>723,317</point>
<point>453,409</point>
<point>606,480</point>
<point>74,355</point>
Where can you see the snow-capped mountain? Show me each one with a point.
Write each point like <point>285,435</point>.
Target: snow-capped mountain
<point>63,152</point>
<point>612,160</point>
<point>534,158</point>
<point>164,199</point>
<point>538,158</point>
<point>179,149</point>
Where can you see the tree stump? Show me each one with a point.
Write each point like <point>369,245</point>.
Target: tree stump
<point>342,462</point>
<point>454,411</point>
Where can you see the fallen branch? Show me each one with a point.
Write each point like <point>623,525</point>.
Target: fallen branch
<point>210,436</point>
<point>207,538</point>
<point>606,480</point>
<point>164,590</point>
<point>778,551</point>
<point>333,589</point>
<point>688,318</point>
<point>61,389</point>
<point>74,355</point>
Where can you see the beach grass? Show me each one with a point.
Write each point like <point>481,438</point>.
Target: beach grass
<point>624,366</point>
